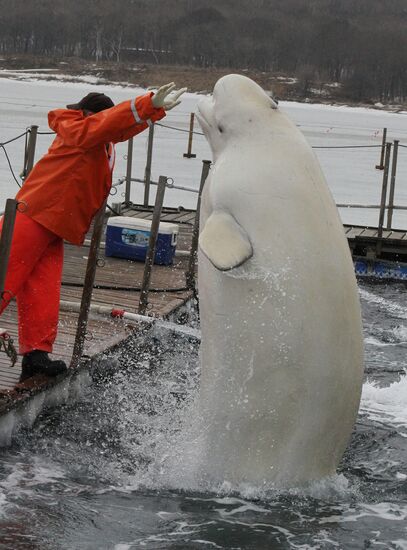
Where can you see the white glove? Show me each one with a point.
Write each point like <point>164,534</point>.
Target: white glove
<point>160,98</point>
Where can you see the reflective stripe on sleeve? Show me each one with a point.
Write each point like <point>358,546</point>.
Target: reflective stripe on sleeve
<point>112,157</point>
<point>134,111</point>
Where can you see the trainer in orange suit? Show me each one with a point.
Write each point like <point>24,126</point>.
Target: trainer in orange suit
<point>63,192</point>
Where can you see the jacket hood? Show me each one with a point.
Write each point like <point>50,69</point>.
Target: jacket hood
<point>58,116</point>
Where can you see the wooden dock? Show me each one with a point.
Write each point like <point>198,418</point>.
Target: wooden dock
<point>117,284</point>
<point>367,242</point>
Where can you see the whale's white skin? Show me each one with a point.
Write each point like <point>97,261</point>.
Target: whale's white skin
<point>282,348</point>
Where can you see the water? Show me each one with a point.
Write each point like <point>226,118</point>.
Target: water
<point>92,475</point>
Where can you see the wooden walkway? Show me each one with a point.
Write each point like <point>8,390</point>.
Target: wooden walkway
<point>365,242</point>
<point>117,284</point>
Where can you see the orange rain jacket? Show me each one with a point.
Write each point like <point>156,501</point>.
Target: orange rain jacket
<point>69,184</point>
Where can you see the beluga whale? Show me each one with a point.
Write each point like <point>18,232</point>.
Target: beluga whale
<point>282,348</point>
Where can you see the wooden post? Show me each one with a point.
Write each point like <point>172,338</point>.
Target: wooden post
<point>190,274</point>
<point>88,287</point>
<point>155,224</point>
<point>382,152</point>
<point>147,172</point>
<point>392,183</point>
<point>189,154</point>
<point>384,193</point>
<point>5,242</point>
<point>128,171</point>
<point>30,153</point>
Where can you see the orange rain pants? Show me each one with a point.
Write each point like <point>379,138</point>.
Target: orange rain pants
<point>34,277</point>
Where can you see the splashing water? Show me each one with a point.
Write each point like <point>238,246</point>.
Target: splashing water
<point>114,470</point>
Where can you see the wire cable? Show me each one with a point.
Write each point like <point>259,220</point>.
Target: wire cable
<point>344,146</point>
<point>313,147</point>
<point>9,164</point>
<point>14,139</point>
<point>178,129</point>
<point>2,145</point>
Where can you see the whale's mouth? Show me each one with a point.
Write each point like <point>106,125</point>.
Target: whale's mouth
<point>202,122</point>
<point>204,111</point>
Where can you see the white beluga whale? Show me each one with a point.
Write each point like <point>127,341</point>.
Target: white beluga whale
<point>282,347</point>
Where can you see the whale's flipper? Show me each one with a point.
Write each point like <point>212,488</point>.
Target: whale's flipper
<point>224,242</point>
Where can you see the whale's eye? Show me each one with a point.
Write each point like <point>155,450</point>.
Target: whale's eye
<point>220,128</point>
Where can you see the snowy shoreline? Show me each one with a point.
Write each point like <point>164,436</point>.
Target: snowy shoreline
<point>52,75</point>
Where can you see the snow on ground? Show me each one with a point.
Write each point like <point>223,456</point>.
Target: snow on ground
<point>350,173</point>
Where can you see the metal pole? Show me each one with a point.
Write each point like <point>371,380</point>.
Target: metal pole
<point>189,154</point>
<point>190,274</point>
<point>384,190</point>
<point>88,287</point>
<point>5,242</point>
<point>147,172</point>
<point>128,171</point>
<point>32,141</point>
<point>383,149</point>
<point>155,224</point>
<point>392,183</point>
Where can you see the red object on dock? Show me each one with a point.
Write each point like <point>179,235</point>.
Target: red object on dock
<point>118,313</point>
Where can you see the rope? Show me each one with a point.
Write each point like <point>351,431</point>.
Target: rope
<point>2,145</point>
<point>313,147</point>
<point>7,346</point>
<point>127,288</point>
<point>9,164</point>
<point>343,146</point>
<point>178,129</point>
<point>14,139</point>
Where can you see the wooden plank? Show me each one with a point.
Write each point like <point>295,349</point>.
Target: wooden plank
<point>187,218</point>
<point>355,232</point>
<point>143,215</point>
<point>7,372</point>
<point>369,232</point>
<point>398,234</point>
<point>386,234</point>
<point>179,216</point>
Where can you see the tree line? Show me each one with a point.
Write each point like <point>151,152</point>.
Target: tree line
<point>360,44</point>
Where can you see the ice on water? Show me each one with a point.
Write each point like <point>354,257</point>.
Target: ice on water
<point>350,173</point>
<point>111,454</point>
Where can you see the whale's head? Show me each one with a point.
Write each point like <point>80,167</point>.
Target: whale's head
<point>236,106</point>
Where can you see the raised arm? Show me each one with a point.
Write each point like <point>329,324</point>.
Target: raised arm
<point>115,124</point>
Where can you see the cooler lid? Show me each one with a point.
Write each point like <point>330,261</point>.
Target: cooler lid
<point>128,222</point>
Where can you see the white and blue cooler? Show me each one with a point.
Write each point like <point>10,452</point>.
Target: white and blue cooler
<point>127,237</point>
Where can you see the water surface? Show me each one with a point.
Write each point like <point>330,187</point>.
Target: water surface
<point>92,475</point>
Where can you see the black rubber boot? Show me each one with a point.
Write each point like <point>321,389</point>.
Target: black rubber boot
<point>38,362</point>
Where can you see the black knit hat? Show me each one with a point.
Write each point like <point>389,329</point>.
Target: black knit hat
<point>94,102</point>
